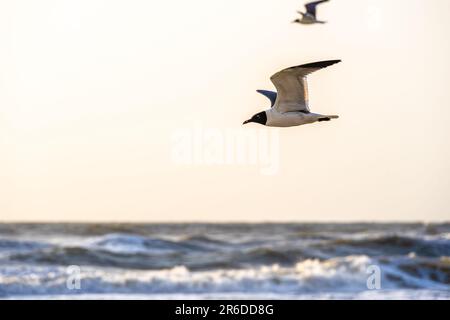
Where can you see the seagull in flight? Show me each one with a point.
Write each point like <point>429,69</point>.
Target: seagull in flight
<point>290,105</point>
<point>310,16</point>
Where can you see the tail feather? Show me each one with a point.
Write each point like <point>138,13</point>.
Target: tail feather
<point>327,118</point>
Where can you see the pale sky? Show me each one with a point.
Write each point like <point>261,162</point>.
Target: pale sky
<point>93,91</point>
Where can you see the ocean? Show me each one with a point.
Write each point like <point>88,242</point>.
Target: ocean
<point>224,261</point>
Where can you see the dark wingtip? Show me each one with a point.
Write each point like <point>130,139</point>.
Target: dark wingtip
<point>320,64</point>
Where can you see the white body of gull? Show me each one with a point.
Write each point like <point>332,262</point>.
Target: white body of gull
<point>309,17</point>
<point>290,106</point>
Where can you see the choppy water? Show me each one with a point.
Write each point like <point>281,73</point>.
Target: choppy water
<point>275,261</point>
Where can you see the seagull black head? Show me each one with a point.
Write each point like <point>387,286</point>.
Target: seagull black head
<point>260,118</point>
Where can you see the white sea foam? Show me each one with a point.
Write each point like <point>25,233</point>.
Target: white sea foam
<point>225,261</point>
<point>338,276</point>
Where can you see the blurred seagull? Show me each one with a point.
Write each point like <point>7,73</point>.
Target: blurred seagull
<point>290,106</point>
<point>310,16</point>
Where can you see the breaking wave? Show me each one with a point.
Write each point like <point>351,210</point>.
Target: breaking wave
<point>346,274</point>
<point>278,260</point>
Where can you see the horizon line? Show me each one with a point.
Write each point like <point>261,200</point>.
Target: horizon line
<point>227,222</point>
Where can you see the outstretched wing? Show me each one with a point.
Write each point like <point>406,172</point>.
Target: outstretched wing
<point>311,7</point>
<point>272,96</point>
<point>292,86</point>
